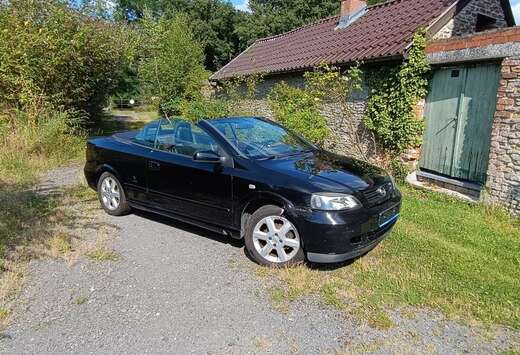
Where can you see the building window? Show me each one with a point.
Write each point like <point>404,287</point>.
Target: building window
<point>485,23</point>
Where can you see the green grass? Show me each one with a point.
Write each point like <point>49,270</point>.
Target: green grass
<point>444,254</point>
<point>103,254</point>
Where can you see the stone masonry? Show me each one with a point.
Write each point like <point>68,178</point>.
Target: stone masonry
<point>466,20</point>
<point>503,185</point>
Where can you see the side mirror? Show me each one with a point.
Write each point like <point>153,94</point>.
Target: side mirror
<point>207,156</point>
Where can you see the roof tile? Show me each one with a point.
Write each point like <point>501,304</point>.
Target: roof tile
<point>384,31</point>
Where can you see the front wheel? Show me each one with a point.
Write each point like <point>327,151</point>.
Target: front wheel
<point>112,196</point>
<point>273,240</point>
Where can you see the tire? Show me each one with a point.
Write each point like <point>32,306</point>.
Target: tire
<point>271,239</point>
<point>111,195</point>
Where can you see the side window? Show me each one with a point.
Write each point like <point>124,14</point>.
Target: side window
<point>166,135</point>
<point>190,138</point>
<point>182,137</point>
<point>146,136</point>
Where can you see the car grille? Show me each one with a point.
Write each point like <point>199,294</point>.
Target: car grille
<point>372,236</point>
<point>376,195</point>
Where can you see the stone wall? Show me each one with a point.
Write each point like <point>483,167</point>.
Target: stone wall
<point>503,185</point>
<point>466,20</point>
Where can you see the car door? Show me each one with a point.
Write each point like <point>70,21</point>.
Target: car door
<point>130,161</point>
<point>177,184</point>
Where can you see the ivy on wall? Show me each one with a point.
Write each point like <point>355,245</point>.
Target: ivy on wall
<point>394,92</point>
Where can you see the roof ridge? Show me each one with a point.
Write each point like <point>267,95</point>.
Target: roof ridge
<point>315,23</point>
<point>320,21</point>
<point>387,2</point>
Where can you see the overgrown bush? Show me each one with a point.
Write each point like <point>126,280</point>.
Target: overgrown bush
<point>200,108</point>
<point>298,110</point>
<point>171,65</point>
<point>52,55</point>
<point>399,169</point>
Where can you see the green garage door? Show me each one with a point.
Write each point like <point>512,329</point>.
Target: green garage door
<point>459,115</point>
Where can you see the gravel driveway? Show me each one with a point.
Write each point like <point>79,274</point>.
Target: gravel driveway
<point>179,289</point>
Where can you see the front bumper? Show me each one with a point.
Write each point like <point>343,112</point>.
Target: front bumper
<point>338,258</point>
<point>331,237</point>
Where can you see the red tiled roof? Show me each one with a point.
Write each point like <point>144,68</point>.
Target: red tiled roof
<point>383,32</point>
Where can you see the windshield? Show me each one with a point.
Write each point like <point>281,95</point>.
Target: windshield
<point>258,139</point>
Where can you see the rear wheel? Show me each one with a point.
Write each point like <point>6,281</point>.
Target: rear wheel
<point>272,239</point>
<point>112,196</point>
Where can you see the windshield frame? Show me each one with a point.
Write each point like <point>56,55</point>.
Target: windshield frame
<point>211,122</point>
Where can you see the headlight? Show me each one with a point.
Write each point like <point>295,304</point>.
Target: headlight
<point>334,202</point>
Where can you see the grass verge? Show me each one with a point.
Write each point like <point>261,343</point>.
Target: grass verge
<point>444,254</point>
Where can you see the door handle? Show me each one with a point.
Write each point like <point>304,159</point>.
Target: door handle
<point>153,165</point>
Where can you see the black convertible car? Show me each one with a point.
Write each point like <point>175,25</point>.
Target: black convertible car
<point>248,178</point>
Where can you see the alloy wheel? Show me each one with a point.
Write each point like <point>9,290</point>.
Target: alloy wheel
<point>276,239</point>
<point>110,194</point>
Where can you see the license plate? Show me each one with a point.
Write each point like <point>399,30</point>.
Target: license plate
<point>388,216</point>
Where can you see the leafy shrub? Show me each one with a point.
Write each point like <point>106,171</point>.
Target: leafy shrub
<point>298,110</point>
<point>399,170</point>
<point>200,108</point>
<point>394,93</point>
<point>171,66</point>
<point>51,55</point>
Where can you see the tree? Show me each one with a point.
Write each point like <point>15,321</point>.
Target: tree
<point>54,56</point>
<point>213,23</point>
<point>171,64</point>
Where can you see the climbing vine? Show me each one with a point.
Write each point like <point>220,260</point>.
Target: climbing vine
<point>394,93</point>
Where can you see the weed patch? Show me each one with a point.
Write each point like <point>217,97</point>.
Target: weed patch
<point>103,254</point>
<point>80,301</point>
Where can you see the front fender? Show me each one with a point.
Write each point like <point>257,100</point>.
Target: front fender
<point>107,168</point>
<point>262,198</point>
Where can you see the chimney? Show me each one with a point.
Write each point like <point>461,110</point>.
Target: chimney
<point>351,10</point>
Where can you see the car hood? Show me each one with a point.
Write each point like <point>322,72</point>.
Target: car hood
<point>329,171</point>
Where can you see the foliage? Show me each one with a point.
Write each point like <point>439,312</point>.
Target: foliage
<point>28,147</point>
<point>213,23</point>
<point>298,110</point>
<point>399,169</point>
<point>232,98</point>
<point>202,108</point>
<point>171,64</point>
<point>394,94</point>
<point>53,56</point>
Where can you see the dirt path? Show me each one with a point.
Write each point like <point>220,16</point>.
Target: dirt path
<point>176,289</point>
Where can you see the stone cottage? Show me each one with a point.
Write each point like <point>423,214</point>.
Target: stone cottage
<point>472,135</point>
